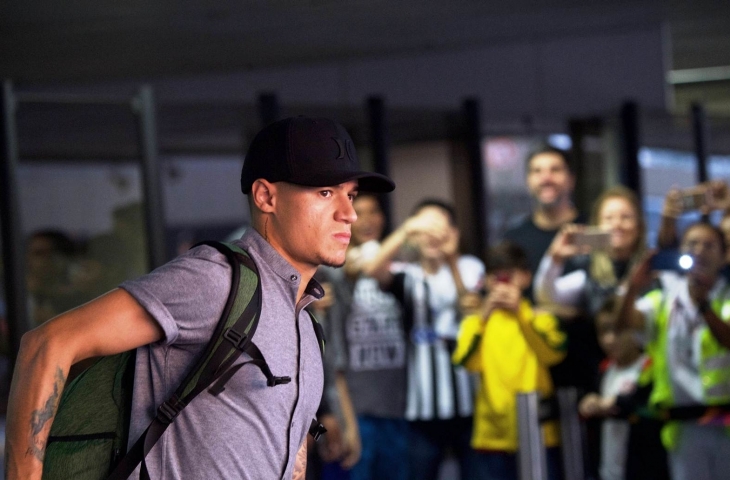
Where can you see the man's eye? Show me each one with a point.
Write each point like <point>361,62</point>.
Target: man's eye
<point>326,193</point>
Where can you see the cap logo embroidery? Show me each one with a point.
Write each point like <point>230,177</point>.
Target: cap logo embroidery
<point>343,151</point>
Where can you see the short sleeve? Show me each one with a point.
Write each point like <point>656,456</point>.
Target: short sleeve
<point>186,296</point>
<point>472,272</point>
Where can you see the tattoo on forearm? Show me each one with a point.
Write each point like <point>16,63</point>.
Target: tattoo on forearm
<point>39,418</point>
<point>300,464</point>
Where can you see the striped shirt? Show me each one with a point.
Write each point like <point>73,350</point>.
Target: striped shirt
<point>436,388</point>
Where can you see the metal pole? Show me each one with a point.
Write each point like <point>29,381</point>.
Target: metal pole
<point>144,107</point>
<point>570,434</point>
<point>480,200</point>
<point>379,143</point>
<point>631,172</point>
<point>531,453</point>
<point>13,250</point>
<point>700,136</point>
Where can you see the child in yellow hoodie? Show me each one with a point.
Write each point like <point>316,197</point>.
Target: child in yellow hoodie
<point>511,345</point>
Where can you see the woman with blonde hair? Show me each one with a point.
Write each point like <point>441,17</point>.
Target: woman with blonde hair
<point>577,274</point>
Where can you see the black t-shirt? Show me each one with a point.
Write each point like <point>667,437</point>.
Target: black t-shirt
<point>534,241</point>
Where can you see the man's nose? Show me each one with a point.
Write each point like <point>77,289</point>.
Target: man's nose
<point>346,211</point>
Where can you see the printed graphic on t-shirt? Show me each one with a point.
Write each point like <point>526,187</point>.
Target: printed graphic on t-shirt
<point>374,331</point>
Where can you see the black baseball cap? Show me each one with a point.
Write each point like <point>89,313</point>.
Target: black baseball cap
<point>313,152</point>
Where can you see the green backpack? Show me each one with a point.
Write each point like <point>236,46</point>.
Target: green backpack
<point>89,435</point>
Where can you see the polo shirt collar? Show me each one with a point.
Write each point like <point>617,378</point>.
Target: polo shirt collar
<point>252,240</point>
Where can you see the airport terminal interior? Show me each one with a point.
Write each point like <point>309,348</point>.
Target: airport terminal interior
<point>125,123</point>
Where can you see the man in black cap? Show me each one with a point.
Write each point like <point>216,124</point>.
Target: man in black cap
<point>300,175</point>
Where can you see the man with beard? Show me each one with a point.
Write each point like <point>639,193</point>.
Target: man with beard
<point>550,184</point>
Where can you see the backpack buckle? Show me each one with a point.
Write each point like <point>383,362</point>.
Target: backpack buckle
<point>237,339</point>
<point>316,430</point>
<point>274,381</point>
<point>169,409</point>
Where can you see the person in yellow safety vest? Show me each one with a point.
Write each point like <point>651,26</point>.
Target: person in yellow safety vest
<point>688,339</point>
<point>511,345</point>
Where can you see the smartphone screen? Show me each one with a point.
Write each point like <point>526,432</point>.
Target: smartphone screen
<point>692,200</point>
<point>593,237</point>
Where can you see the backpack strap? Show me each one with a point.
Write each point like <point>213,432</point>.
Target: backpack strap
<point>232,336</point>
<point>319,332</point>
<point>316,429</point>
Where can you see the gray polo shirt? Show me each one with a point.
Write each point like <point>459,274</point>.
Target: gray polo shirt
<point>249,431</point>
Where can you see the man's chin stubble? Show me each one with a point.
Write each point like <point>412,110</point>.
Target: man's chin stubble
<point>333,264</point>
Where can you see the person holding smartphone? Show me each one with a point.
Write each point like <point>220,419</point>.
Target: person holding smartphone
<point>686,326</point>
<point>597,259</point>
<point>432,290</point>
<point>703,198</point>
<point>580,270</point>
<point>511,345</point>
<point>550,183</point>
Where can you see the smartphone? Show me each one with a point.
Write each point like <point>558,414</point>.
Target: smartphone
<point>671,260</point>
<point>693,200</point>
<point>593,237</point>
<point>504,277</point>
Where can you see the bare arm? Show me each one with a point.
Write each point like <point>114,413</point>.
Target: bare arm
<point>353,446</point>
<point>300,464</point>
<point>671,210</point>
<point>627,315</point>
<point>699,290</point>
<point>379,267</point>
<point>420,225</point>
<point>111,324</point>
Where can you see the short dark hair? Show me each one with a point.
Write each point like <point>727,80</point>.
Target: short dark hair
<point>712,228</point>
<point>546,148</point>
<point>435,202</point>
<point>507,255</point>
<point>375,196</point>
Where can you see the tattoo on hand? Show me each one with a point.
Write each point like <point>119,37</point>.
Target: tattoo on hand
<point>39,418</point>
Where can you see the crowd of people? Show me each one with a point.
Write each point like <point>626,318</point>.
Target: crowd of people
<point>430,347</point>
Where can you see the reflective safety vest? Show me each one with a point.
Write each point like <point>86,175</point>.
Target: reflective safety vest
<point>714,368</point>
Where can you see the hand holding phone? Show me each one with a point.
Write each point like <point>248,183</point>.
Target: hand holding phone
<point>503,277</point>
<point>672,260</point>
<point>593,237</point>
<point>694,199</point>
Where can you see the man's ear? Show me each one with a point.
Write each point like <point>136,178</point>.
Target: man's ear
<point>263,194</point>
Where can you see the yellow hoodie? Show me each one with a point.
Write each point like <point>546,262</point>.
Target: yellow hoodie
<point>512,352</point>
